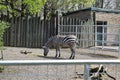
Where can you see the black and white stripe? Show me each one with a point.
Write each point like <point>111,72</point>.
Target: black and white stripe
<point>61,40</point>
<point>69,39</point>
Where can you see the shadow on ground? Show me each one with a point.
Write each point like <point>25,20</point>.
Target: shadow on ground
<point>99,55</point>
<point>49,57</point>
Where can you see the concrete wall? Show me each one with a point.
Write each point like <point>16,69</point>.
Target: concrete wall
<point>112,20</point>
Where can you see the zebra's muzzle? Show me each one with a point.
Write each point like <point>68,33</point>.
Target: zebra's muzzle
<point>45,54</point>
<point>46,50</point>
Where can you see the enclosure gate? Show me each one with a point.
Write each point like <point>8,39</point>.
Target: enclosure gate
<point>82,29</point>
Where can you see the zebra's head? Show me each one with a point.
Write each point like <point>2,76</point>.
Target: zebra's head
<point>46,50</point>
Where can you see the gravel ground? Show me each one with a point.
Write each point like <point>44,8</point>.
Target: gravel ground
<point>51,72</point>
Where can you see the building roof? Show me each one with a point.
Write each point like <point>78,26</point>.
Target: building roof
<point>94,9</point>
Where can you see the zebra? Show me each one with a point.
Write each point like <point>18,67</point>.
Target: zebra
<point>58,41</point>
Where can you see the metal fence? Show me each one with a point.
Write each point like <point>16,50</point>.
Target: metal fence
<point>54,69</point>
<point>102,36</point>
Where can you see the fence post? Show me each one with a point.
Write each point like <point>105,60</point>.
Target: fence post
<point>57,23</point>
<point>96,36</point>
<point>76,31</point>
<point>86,71</point>
<point>59,14</point>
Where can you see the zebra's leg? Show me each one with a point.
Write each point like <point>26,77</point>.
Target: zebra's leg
<point>56,53</point>
<point>73,53</point>
<point>59,51</point>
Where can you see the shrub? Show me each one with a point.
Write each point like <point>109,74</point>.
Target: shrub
<point>3,26</point>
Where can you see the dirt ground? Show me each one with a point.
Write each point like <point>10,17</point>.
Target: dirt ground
<point>16,53</point>
<point>52,72</point>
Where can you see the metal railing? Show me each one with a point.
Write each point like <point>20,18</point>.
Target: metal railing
<point>95,36</point>
<point>55,69</point>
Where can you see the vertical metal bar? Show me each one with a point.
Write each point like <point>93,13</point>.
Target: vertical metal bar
<point>57,72</point>
<point>115,70</point>
<point>61,27</point>
<point>119,43</point>
<point>47,73</point>
<point>17,74</point>
<point>58,21</point>
<point>103,35</point>
<point>66,72</point>
<point>75,70</point>
<point>69,28</point>
<point>95,27</point>
<point>95,39</point>
<point>96,36</point>
<point>76,32</point>
<point>70,21</point>
<point>86,71</point>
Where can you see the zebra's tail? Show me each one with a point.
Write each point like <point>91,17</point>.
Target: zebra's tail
<point>77,42</point>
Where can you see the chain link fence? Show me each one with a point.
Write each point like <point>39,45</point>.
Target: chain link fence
<point>56,69</point>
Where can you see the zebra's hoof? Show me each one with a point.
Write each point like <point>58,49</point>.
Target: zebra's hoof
<point>71,58</point>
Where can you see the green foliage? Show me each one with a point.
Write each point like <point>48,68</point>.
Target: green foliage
<point>25,7</point>
<point>3,8</point>
<point>69,4</point>
<point>3,26</point>
<point>18,7</point>
<point>65,5</point>
<point>34,6</point>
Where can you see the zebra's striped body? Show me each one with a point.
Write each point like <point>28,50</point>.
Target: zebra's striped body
<point>61,40</point>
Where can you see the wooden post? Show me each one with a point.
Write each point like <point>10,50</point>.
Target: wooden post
<point>12,32</point>
<point>58,23</point>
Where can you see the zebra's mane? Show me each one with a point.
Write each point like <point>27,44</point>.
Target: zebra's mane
<point>49,42</point>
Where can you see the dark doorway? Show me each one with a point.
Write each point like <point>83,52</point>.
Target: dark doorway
<point>101,29</point>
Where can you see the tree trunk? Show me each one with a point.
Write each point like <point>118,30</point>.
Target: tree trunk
<point>99,3</point>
